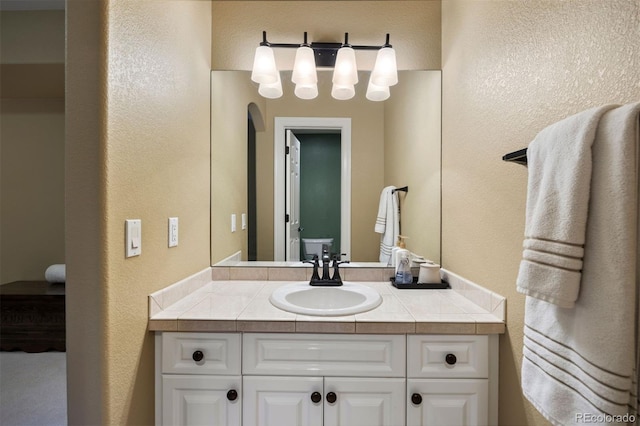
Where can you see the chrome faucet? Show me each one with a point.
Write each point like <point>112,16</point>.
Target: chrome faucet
<point>326,279</point>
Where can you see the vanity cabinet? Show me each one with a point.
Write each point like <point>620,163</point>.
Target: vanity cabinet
<point>201,400</point>
<point>320,379</point>
<point>282,379</point>
<point>198,379</point>
<point>447,402</point>
<point>318,401</point>
<point>448,380</point>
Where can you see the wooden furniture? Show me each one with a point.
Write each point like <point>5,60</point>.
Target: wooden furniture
<point>32,316</point>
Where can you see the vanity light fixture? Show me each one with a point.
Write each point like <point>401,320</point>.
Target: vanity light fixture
<point>271,90</point>
<point>340,56</point>
<point>304,74</point>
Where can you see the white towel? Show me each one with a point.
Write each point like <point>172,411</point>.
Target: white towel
<point>579,364</point>
<point>559,161</point>
<point>387,222</point>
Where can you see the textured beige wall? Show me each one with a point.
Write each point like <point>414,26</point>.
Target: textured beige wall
<point>412,118</point>
<point>150,127</point>
<point>32,143</point>
<point>509,69</point>
<point>414,27</point>
<point>32,37</point>
<point>85,247</point>
<point>32,187</point>
<point>231,94</point>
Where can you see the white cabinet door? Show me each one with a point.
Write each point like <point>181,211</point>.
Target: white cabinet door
<point>441,402</point>
<point>201,400</point>
<point>364,402</point>
<point>282,401</point>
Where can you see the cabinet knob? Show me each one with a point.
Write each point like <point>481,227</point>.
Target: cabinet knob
<point>416,398</point>
<point>331,397</point>
<point>197,356</point>
<point>316,397</point>
<point>450,359</point>
<point>232,395</point>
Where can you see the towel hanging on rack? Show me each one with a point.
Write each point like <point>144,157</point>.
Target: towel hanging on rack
<point>581,359</point>
<point>387,222</point>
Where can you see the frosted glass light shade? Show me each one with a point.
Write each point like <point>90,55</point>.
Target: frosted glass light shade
<point>304,67</point>
<point>345,72</point>
<point>264,66</point>
<point>342,93</point>
<point>271,91</point>
<point>306,91</point>
<point>385,71</point>
<point>377,93</point>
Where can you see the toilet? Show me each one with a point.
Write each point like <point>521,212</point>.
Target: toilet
<point>312,246</point>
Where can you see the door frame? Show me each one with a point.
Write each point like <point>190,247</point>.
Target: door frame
<point>281,124</point>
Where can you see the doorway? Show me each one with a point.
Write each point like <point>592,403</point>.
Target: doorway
<point>283,233</point>
<point>320,189</point>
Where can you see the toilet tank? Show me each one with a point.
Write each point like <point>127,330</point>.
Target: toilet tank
<point>313,246</point>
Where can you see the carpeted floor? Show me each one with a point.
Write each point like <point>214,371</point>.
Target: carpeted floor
<point>33,389</point>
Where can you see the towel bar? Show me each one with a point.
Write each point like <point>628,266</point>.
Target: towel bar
<point>518,157</point>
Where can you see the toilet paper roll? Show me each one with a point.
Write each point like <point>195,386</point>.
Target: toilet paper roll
<point>429,273</point>
<point>56,273</point>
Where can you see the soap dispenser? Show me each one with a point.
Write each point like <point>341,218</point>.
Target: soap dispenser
<point>394,251</point>
<point>399,249</point>
<point>403,269</point>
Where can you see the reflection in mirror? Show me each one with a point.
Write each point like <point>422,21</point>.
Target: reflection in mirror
<point>395,142</point>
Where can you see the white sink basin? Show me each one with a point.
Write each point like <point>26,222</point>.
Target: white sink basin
<point>347,299</point>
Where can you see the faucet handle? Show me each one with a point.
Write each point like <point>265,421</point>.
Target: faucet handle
<point>313,261</point>
<point>336,268</point>
<point>316,265</point>
<point>337,261</point>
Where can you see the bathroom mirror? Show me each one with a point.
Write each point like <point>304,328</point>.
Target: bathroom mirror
<point>395,142</point>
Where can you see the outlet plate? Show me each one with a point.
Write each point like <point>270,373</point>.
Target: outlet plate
<point>173,231</point>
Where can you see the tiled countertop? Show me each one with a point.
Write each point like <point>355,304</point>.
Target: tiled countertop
<point>202,304</point>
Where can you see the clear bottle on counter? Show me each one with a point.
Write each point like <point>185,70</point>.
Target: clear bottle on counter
<point>403,272</point>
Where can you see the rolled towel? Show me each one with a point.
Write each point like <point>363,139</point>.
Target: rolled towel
<point>56,273</point>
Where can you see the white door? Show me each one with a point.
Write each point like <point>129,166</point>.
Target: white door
<point>293,198</point>
<point>364,402</point>
<point>189,400</point>
<point>443,402</point>
<point>282,401</point>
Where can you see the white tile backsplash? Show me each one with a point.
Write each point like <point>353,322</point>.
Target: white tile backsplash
<point>163,299</point>
<point>215,290</point>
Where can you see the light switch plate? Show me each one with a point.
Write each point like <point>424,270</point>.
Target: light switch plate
<point>244,221</point>
<point>173,231</point>
<point>234,225</point>
<point>133,237</point>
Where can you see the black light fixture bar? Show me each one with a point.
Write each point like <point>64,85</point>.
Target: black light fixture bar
<point>322,44</point>
<point>324,52</point>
